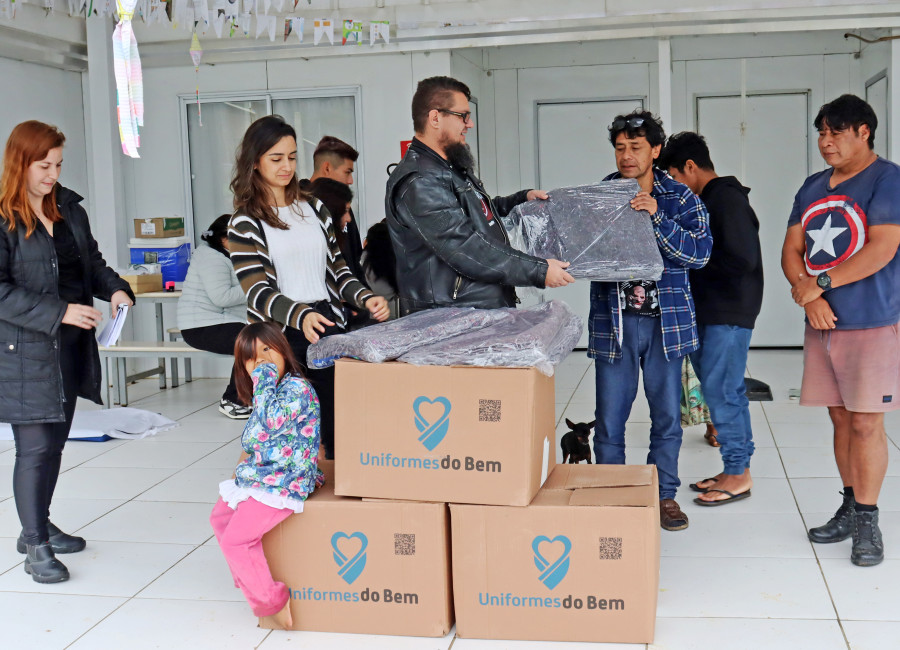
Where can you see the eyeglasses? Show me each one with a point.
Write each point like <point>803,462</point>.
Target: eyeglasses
<point>465,116</point>
<point>632,122</point>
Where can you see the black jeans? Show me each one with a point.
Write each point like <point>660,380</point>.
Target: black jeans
<point>39,447</point>
<point>322,381</point>
<point>218,339</point>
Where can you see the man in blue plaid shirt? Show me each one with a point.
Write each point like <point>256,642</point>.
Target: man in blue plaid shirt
<point>646,324</point>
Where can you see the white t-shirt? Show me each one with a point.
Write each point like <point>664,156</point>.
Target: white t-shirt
<point>299,253</point>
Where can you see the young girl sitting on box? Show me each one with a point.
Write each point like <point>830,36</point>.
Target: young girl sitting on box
<point>278,469</point>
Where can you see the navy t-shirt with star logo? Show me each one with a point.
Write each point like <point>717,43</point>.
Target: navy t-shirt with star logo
<point>836,222</point>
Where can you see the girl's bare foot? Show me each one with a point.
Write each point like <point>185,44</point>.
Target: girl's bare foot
<point>283,618</point>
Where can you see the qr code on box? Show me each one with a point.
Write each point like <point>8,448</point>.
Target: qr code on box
<point>610,548</point>
<point>404,544</point>
<point>488,410</point>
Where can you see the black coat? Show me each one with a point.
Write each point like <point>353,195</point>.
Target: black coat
<point>729,289</point>
<point>448,253</point>
<point>31,314</point>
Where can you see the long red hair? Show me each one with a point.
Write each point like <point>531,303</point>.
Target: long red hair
<point>29,142</point>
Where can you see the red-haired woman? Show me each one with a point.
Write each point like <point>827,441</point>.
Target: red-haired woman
<point>50,271</point>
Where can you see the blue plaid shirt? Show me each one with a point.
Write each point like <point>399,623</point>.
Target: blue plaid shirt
<point>681,225</point>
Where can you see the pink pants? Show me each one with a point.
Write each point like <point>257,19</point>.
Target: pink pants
<point>240,534</point>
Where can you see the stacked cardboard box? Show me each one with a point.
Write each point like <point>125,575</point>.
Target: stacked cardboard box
<point>538,551</point>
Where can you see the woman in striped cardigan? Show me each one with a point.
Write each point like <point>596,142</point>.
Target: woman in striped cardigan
<point>286,257</point>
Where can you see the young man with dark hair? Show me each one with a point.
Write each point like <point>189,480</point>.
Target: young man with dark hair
<point>727,299</point>
<point>626,337</point>
<point>451,249</point>
<point>840,250</point>
<point>334,159</point>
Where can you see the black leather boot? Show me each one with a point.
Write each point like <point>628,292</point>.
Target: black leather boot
<point>868,547</point>
<point>43,565</point>
<point>838,528</point>
<point>60,542</point>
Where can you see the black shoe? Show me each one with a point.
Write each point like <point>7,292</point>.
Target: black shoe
<point>60,542</point>
<point>838,528</point>
<point>868,547</point>
<point>43,565</point>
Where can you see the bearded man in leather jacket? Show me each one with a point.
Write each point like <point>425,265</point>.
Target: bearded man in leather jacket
<point>452,250</point>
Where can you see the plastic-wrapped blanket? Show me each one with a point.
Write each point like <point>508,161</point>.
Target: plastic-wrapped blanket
<point>387,341</point>
<point>594,228</point>
<point>539,336</point>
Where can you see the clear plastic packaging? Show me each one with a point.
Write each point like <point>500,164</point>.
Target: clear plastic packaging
<point>594,228</point>
<point>387,341</point>
<point>539,336</point>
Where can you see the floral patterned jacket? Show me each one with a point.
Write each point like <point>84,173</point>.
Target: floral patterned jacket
<point>281,436</point>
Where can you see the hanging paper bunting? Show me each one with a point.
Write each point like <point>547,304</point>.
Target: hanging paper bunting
<point>323,27</point>
<point>297,24</point>
<point>266,24</point>
<point>201,11</point>
<point>380,28</point>
<point>7,9</point>
<point>352,32</point>
<point>279,6</point>
<point>230,8</point>
<point>197,54</point>
<point>244,24</point>
<point>218,22</point>
<point>129,82</point>
<point>267,4</point>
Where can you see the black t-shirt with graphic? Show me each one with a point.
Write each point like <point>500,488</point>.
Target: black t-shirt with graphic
<point>639,297</point>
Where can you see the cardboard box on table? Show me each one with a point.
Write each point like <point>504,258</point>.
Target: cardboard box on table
<point>581,563</point>
<point>159,227</point>
<point>368,567</point>
<point>436,433</point>
<point>144,283</point>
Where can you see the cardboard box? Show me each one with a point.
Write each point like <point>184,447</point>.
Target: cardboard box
<point>581,563</point>
<point>366,567</point>
<point>144,283</point>
<point>433,433</point>
<point>159,227</point>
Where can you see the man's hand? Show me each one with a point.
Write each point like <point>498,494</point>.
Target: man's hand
<point>643,201</point>
<point>820,315</point>
<point>557,275</point>
<point>378,308</point>
<point>537,194</point>
<point>313,324</point>
<point>806,290</point>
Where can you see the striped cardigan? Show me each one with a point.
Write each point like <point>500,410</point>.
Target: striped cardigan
<point>256,273</point>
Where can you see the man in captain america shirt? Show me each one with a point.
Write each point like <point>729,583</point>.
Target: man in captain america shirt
<point>840,256</point>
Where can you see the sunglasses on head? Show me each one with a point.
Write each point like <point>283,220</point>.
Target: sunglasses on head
<point>631,122</point>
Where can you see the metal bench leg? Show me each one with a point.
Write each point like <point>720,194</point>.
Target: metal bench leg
<point>122,381</point>
<point>173,364</point>
<point>104,383</point>
<point>187,370</point>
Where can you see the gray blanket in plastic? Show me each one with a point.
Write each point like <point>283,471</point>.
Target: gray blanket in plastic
<point>387,341</point>
<point>594,228</point>
<point>539,336</point>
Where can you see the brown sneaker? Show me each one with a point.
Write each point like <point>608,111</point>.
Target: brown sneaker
<point>670,515</point>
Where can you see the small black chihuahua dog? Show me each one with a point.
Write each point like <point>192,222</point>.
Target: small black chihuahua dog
<point>575,447</point>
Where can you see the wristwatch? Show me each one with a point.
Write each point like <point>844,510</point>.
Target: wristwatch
<point>824,281</point>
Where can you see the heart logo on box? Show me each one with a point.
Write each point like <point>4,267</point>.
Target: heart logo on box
<point>432,431</point>
<point>349,567</point>
<point>552,572</point>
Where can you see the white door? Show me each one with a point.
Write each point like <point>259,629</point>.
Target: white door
<point>766,147</point>
<point>877,96</point>
<point>573,149</point>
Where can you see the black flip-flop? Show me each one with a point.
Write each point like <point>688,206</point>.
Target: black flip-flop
<point>697,488</point>
<point>721,502</point>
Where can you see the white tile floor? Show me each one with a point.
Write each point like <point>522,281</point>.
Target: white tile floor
<point>741,577</point>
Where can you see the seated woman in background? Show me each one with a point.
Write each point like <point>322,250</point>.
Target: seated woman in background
<point>212,309</point>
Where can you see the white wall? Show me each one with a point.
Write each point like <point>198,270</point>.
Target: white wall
<point>37,92</point>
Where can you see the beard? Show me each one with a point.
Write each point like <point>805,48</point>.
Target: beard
<point>460,155</point>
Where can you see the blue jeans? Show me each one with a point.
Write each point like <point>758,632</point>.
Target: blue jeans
<point>617,385</point>
<point>720,364</point>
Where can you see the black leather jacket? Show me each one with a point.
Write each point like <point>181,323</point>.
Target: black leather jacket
<point>31,314</point>
<point>448,253</point>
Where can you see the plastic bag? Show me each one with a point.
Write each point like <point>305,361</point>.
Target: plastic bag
<point>539,336</point>
<point>387,341</point>
<point>594,228</point>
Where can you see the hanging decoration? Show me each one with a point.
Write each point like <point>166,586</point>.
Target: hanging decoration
<point>7,9</point>
<point>129,82</point>
<point>380,28</point>
<point>323,27</point>
<point>196,55</point>
<point>352,32</point>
